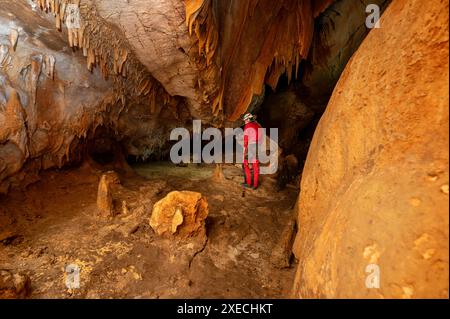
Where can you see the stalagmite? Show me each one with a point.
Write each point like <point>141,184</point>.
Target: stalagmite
<point>104,198</point>
<point>13,37</point>
<point>49,65</point>
<point>218,175</point>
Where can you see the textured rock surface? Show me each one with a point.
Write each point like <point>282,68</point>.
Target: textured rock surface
<point>373,189</point>
<point>42,117</point>
<point>51,105</point>
<point>14,285</point>
<point>105,201</point>
<point>338,33</point>
<point>158,34</point>
<point>199,49</point>
<point>181,215</point>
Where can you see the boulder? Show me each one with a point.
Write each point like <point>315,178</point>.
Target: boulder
<point>180,215</point>
<point>371,202</point>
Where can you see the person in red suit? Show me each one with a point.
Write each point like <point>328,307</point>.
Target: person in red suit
<point>251,142</point>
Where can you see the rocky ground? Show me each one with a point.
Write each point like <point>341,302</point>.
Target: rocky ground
<point>56,222</point>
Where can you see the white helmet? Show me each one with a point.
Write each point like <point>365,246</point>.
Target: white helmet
<point>248,117</point>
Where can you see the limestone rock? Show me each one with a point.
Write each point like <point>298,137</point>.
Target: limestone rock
<point>366,192</point>
<point>14,285</point>
<point>180,215</point>
<point>105,202</point>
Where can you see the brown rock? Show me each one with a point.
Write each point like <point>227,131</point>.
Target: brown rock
<point>105,203</point>
<point>14,285</point>
<point>180,215</point>
<point>282,252</point>
<point>384,130</point>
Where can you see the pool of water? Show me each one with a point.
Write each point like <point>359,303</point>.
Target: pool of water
<point>162,169</point>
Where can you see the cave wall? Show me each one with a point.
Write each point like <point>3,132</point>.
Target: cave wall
<point>338,32</point>
<point>43,107</point>
<point>55,92</point>
<point>157,32</point>
<point>217,54</point>
<point>375,185</point>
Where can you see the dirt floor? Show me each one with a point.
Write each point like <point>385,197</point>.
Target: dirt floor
<point>55,223</point>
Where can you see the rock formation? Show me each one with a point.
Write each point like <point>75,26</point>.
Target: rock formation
<point>105,200</point>
<point>371,191</point>
<point>180,215</point>
<point>66,99</point>
<point>14,285</point>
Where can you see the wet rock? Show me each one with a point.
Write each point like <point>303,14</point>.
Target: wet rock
<point>14,285</point>
<point>180,215</point>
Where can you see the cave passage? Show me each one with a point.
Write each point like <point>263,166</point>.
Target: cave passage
<point>93,213</point>
<point>93,206</point>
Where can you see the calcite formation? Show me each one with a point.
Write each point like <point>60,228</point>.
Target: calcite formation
<point>279,33</point>
<point>61,103</point>
<point>162,63</point>
<point>14,285</point>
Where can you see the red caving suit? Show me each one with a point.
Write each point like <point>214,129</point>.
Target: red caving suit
<point>251,137</point>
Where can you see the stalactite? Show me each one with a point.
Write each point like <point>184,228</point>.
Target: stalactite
<point>49,66</point>
<point>4,55</point>
<point>102,49</point>
<point>200,20</point>
<point>35,72</point>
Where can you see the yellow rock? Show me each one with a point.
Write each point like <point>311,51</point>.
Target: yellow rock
<point>180,214</point>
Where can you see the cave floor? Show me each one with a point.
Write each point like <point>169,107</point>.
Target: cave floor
<point>55,223</point>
